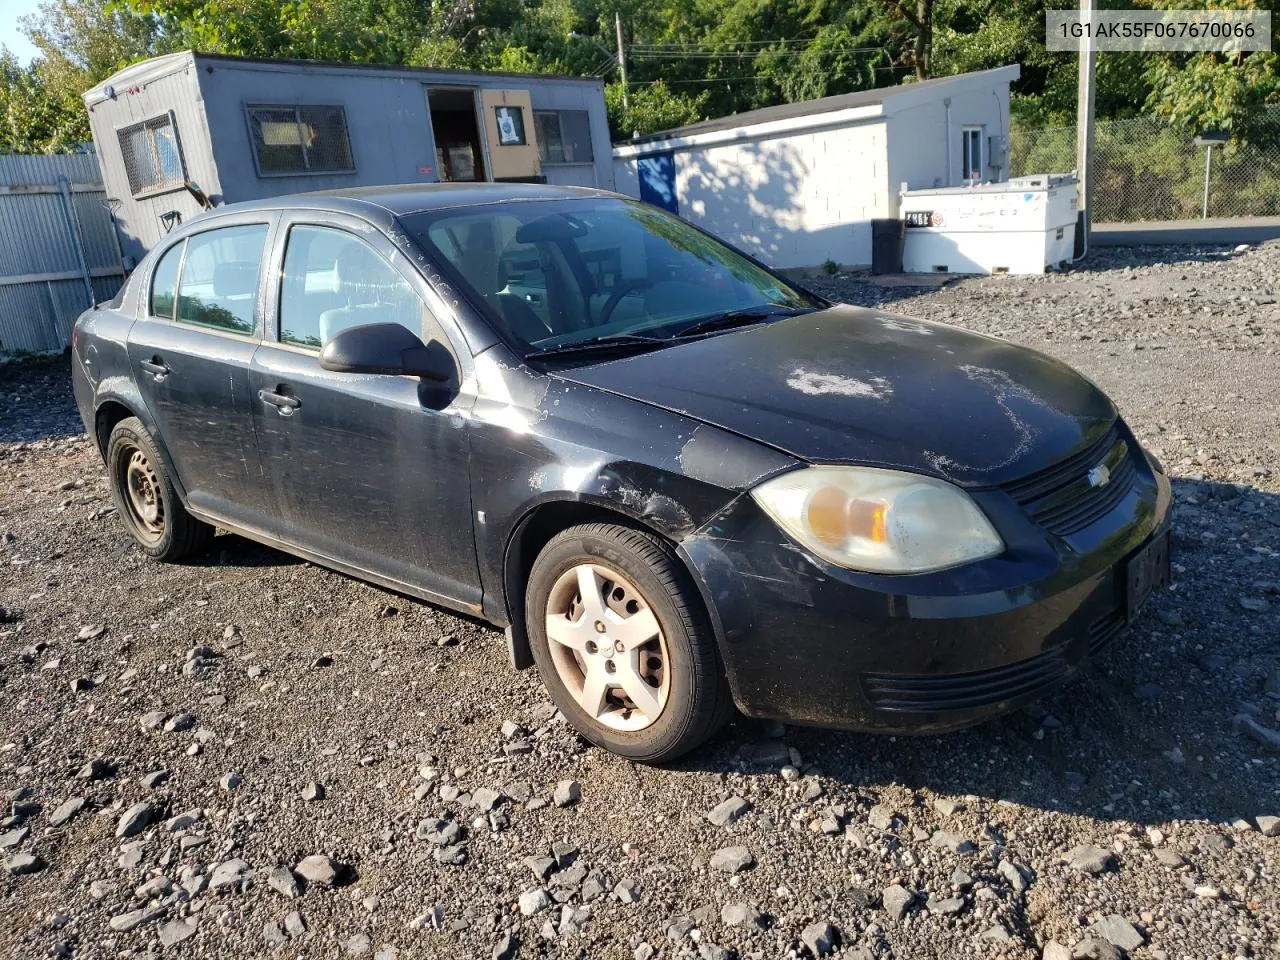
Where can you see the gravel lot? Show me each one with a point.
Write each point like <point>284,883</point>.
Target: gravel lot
<point>173,739</point>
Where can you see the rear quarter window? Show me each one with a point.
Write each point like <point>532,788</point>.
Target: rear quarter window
<point>164,282</point>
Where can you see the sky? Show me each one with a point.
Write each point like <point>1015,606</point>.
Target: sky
<point>10,36</point>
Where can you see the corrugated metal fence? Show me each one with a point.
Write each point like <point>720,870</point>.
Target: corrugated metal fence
<point>58,248</point>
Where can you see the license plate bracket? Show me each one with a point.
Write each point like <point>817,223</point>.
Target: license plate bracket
<point>1146,571</point>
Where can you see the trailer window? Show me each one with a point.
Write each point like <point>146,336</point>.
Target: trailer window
<point>564,136</point>
<point>152,155</point>
<point>299,139</point>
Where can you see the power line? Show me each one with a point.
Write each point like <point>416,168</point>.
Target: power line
<point>731,43</point>
<point>745,76</point>
<point>775,54</point>
<point>645,83</point>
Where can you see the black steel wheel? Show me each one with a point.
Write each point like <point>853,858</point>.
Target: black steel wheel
<point>146,499</point>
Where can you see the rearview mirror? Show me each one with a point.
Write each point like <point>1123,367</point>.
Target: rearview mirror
<point>386,348</point>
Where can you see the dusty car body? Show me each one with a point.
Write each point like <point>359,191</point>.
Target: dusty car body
<point>448,486</point>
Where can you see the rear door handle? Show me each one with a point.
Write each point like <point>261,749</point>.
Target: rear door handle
<point>284,403</point>
<point>156,367</point>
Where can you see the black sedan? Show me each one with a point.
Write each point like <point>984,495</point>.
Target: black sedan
<point>679,481</point>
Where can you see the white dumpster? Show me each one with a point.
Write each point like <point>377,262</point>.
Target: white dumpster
<point>1014,226</point>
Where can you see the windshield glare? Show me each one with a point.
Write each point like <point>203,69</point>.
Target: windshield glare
<point>555,273</point>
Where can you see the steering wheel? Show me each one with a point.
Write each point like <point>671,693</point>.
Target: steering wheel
<point>621,290</point>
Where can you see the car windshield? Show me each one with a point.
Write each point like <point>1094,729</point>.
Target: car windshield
<point>554,275</point>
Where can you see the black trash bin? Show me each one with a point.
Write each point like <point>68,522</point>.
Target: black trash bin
<point>887,240</point>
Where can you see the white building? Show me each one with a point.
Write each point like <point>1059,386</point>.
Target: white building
<point>800,184</point>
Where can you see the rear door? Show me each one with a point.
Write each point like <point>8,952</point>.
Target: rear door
<point>371,471</point>
<point>200,323</point>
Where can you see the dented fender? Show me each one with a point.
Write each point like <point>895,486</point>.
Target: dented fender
<point>540,442</point>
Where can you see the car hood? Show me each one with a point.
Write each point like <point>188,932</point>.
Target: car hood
<point>852,385</point>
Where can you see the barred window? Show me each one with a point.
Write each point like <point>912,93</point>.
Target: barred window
<point>152,155</point>
<point>299,139</point>
<point>564,136</point>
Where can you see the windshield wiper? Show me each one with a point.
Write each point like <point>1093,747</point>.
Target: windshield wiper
<point>742,317</point>
<point>614,341</point>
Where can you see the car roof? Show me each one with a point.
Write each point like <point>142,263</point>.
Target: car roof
<point>403,199</point>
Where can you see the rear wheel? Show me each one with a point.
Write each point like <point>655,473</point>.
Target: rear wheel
<point>623,644</point>
<point>146,499</point>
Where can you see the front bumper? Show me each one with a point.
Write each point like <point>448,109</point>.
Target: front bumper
<point>807,642</point>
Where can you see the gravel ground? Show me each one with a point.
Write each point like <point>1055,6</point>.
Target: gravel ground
<point>174,739</point>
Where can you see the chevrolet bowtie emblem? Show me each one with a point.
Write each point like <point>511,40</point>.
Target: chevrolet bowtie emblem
<point>1099,476</point>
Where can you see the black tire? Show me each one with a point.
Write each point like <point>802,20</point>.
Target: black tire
<point>698,703</point>
<point>173,533</point>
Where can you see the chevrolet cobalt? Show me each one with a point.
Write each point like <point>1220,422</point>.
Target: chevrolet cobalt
<point>682,483</point>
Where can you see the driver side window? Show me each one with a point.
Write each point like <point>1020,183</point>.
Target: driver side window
<point>333,280</point>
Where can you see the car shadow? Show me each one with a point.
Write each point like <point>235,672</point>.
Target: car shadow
<point>1149,733</point>
<point>233,550</point>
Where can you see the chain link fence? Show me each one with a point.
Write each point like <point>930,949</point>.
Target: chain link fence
<point>1146,170</point>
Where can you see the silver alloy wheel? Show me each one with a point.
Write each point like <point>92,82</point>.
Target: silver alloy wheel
<point>607,647</point>
<point>142,487</point>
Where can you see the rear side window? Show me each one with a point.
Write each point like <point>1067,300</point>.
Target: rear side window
<point>164,282</point>
<point>219,285</point>
<point>334,280</point>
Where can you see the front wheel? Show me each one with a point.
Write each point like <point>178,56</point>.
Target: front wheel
<point>623,644</point>
<point>148,503</point>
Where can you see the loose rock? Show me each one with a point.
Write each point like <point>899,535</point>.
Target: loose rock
<point>732,859</point>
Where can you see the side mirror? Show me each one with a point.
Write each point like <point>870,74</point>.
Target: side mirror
<point>386,348</point>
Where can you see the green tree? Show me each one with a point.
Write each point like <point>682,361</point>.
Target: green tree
<point>1211,91</point>
<point>32,118</point>
<point>653,107</point>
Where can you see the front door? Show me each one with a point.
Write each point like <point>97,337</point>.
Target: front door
<point>370,471</point>
<point>190,351</point>
<point>510,135</point>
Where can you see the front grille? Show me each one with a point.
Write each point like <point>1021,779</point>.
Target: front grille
<point>959,691</point>
<point>1104,630</point>
<point>1063,501</point>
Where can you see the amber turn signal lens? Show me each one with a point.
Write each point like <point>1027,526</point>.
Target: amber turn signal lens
<point>867,519</point>
<point>833,517</point>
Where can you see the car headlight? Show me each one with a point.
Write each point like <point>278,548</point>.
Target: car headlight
<point>880,521</point>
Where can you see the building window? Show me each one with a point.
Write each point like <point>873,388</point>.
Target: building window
<point>564,136</point>
<point>299,139</point>
<point>971,153</point>
<point>152,155</point>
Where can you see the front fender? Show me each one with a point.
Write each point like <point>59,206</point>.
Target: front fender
<point>565,453</point>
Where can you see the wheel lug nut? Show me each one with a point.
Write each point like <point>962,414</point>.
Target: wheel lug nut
<point>618,646</point>
<point>599,626</point>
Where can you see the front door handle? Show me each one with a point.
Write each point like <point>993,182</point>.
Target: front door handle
<point>156,367</point>
<point>284,403</point>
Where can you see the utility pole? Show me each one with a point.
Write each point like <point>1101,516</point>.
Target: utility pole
<point>622,60</point>
<point>1084,128</point>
